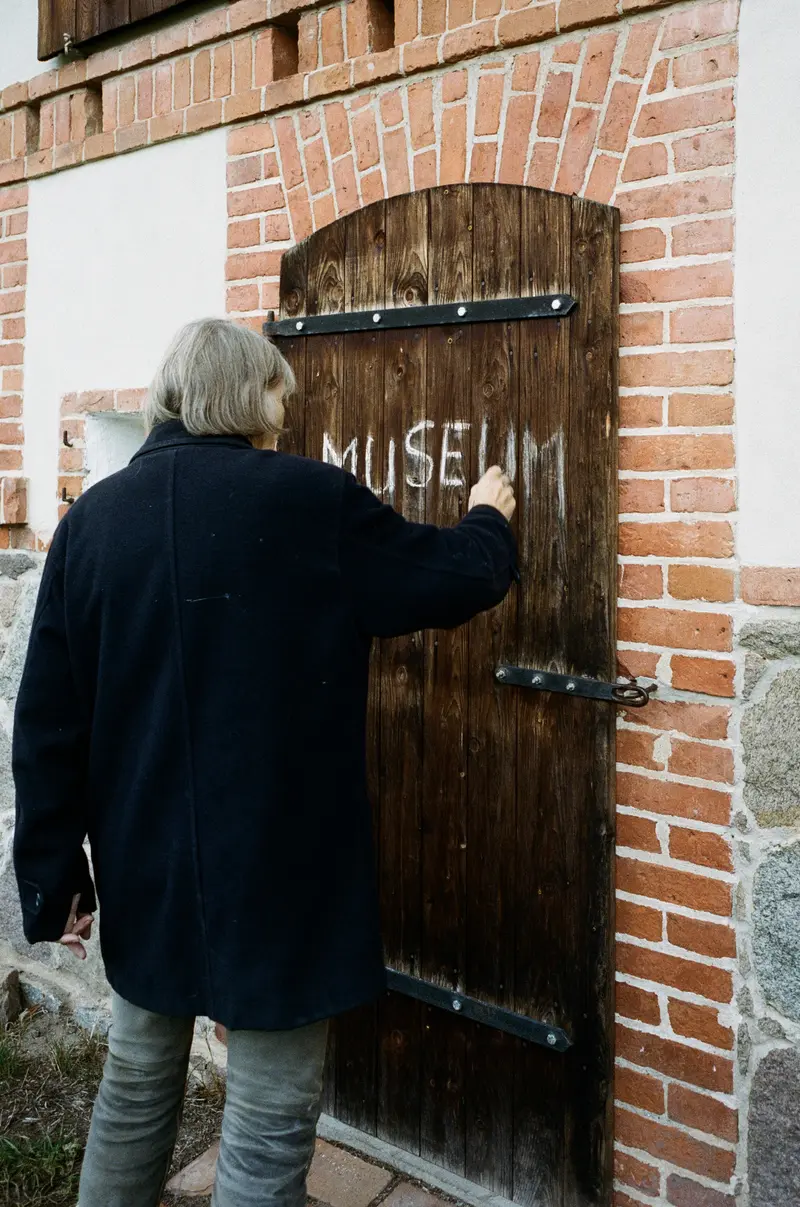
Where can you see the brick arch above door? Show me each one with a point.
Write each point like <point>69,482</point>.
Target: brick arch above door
<point>556,117</point>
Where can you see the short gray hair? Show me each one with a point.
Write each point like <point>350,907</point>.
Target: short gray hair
<point>220,379</point>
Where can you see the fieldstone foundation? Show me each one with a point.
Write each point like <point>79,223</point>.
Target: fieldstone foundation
<point>20,574</point>
<point>776,929</point>
<point>770,903</point>
<point>775,1131</point>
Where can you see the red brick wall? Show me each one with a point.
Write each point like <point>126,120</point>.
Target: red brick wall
<point>629,102</point>
<point>13,278</point>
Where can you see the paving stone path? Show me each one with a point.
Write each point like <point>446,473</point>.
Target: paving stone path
<point>338,1178</point>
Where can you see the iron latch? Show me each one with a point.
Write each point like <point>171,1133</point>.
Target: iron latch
<point>627,695</point>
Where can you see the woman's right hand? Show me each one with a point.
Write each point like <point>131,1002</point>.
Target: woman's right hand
<point>494,490</point>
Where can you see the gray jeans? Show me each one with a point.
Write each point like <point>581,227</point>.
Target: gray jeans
<point>268,1128</point>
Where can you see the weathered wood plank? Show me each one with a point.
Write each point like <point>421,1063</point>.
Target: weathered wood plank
<point>592,489</point>
<point>87,18</point>
<point>146,8</point>
<point>491,772</point>
<point>402,669</point>
<point>56,18</point>
<point>539,1106</point>
<point>362,430</point>
<point>443,1135</point>
<point>324,294</point>
<point>407,250</point>
<point>110,15</point>
<point>546,776</point>
<point>294,269</point>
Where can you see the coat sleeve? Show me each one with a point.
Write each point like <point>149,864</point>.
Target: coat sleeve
<point>405,576</point>
<point>50,761</point>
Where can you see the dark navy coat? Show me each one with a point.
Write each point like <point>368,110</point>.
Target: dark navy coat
<point>194,701</point>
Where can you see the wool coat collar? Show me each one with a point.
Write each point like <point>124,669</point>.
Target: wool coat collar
<point>173,434</point>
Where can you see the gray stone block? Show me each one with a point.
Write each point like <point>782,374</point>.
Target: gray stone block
<point>774,1143</point>
<point>95,1019</point>
<point>36,995</point>
<point>10,999</point>
<point>9,598</point>
<point>11,914</point>
<point>771,1028</point>
<point>90,972</point>
<point>771,747</point>
<point>744,1000</point>
<point>12,565</point>
<point>776,929</point>
<point>6,779</point>
<point>740,903</point>
<point>772,638</point>
<point>13,659</point>
<point>744,1047</point>
<point>754,667</point>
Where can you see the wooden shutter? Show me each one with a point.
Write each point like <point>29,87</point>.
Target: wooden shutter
<point>82,20</point>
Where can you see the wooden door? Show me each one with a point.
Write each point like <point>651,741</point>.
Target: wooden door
<point>493,804</point>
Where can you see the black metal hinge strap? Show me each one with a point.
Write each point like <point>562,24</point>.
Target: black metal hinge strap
<point>497,1017</point>
<point>551,305</point>
<point>628,695</point>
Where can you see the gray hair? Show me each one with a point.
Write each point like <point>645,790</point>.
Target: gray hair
<point>220,379</point>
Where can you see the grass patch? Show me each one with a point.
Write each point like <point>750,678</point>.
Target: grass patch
<point>12,1060</point>
<point>38,1169</point>
<point>49,1074</point>
<point>79,1060</point>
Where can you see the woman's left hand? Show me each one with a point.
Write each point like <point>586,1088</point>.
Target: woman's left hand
<point>78,928</point>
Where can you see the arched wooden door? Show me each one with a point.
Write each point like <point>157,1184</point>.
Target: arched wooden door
<point>493,803</point>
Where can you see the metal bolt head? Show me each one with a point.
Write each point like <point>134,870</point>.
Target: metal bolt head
<point>376,318</point>
<point>456,1004</point>
<point>462,310</point>
<point>299,325</point>
<point>555,304</point>
<point>500,673</point>
<point>570,686</point>
<point>536,680</point>
<point>551,1039</point>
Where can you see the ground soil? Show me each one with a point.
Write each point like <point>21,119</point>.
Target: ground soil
<point>49,1073</point>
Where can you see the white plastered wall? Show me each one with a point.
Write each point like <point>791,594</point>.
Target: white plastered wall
<point>120,254</point>
<point>767,275</point>
<point>18,35</point>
